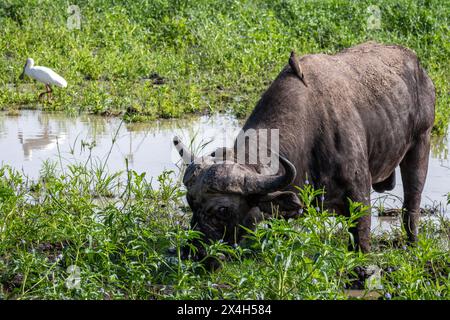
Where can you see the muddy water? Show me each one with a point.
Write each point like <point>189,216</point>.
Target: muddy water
<point>30,138</point>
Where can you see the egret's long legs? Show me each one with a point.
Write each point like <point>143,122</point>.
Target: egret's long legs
<point>48,92</point>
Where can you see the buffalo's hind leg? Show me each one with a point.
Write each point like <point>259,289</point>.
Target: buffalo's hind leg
<point>414,167</point>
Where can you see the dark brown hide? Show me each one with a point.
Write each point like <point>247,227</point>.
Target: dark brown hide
<point>365,111</point>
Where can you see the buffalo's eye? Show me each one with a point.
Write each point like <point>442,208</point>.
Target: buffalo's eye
<point>223,212</point>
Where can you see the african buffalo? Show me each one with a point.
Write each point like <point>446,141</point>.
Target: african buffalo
<point>345,121</point>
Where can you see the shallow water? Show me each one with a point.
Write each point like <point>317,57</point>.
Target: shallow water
<point>32,137</point>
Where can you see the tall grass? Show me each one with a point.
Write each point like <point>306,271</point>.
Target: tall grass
<point>83,233</point>
<point>166,58</point>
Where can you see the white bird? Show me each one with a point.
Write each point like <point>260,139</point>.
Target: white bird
<point>44,75</point>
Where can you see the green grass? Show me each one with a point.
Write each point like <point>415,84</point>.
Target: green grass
<point>112,231</point>
<point>212,55</point>
<point>81,233</point>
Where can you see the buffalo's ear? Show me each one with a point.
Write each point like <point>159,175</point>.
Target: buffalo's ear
<point>285,203</point>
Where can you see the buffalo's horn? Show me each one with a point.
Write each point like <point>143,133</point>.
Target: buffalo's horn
<point>262,184</point>
<point>184,152</point>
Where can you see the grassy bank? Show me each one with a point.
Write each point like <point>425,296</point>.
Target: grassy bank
<point>167,58</point>
<point>85,234</point>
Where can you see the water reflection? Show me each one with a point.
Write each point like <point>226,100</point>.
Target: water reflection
<point>46,139</point>
<point>32,137</point>
<point>439,150</point>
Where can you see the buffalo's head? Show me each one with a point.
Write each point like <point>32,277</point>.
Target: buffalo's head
<point>225,196</point>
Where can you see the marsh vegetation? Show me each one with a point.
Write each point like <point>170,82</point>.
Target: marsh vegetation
<point>149,59</point>
<point>83,231</point>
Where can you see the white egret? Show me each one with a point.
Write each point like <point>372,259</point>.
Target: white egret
<point>44,75</point>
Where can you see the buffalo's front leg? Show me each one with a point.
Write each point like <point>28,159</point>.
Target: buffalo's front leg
<point>358,192</point>
<point>414,167</point>
<point>361,232</point>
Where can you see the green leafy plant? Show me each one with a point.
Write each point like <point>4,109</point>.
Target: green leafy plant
<point>80,234</point>
<point>163,59</point>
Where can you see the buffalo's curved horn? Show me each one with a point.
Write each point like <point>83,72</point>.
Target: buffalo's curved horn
<point>184,152</point>
<point>262,184</point>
